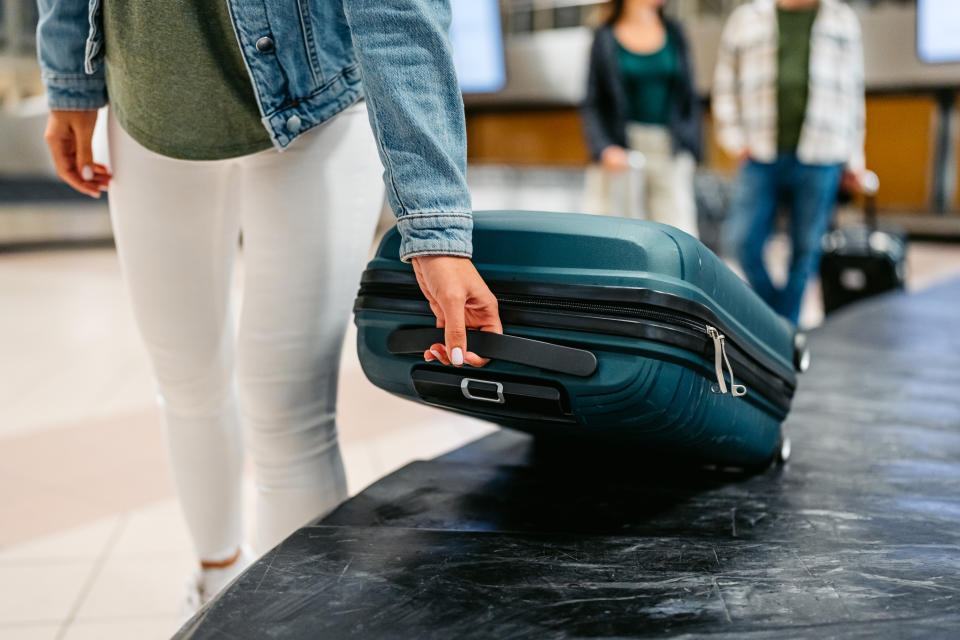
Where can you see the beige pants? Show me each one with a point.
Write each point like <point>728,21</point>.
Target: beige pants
<point>660,188</point>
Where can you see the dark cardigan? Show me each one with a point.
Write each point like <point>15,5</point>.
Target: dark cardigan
<point>605,107</point>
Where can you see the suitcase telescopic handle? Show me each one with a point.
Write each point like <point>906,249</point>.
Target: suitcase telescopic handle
<point>869,185</point>
<point>533,353</point>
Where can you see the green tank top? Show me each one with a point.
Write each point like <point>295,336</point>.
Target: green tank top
<point>176,79</point>
<point>648,80</point>
<point>793,73</point>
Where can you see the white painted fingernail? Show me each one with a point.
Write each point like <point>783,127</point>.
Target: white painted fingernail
<point>435,354</point>
<point>456,356</point>
<point>87,173</point>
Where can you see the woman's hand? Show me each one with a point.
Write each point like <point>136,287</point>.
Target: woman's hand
<point>614,159</point>
<point>69,135</point>
<point>460,299</point>
<point>860,181</point>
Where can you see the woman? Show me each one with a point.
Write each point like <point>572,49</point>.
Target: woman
<point>641,97</point>
<point>249,115</point>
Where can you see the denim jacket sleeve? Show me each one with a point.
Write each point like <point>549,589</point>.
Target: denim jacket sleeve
<point>416,111</point>
<point>62,37</point>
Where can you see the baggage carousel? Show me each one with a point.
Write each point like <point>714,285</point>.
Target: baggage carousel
<point>858,536</point>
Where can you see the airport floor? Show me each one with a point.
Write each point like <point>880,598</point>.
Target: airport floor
<point>91,543</point>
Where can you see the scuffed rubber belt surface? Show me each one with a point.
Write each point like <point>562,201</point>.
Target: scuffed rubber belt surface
<point>511,537</point>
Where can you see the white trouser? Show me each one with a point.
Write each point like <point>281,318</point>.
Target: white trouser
<point>308,215</point>
<point>665,189</point>
<point>668,177</point>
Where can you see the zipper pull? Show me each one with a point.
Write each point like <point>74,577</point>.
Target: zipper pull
<point>719,359</point>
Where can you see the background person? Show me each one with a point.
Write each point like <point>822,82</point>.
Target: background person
<point>641,97</point>
<point>222,119</point>
<point>788,100</point>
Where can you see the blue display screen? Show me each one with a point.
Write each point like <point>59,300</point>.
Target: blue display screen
<point>938,30</point>
<point>478,45</point>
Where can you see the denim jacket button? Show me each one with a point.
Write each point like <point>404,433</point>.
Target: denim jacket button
<point>264,44</point>
<point>293,124</point>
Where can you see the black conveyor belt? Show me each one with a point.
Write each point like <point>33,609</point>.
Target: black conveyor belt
<point>857,537</point>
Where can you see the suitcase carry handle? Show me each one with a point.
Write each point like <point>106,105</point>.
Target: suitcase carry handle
<point>533,353</point>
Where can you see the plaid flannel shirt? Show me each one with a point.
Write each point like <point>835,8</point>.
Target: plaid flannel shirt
<point>745,86</point>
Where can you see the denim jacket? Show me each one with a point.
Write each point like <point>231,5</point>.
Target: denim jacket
<point>308,60</point>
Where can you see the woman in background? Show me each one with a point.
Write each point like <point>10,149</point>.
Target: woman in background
<point>641,97</point>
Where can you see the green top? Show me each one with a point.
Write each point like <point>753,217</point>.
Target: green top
<point>176,79</point>
<point>649,79</point>
<point>793,63</point>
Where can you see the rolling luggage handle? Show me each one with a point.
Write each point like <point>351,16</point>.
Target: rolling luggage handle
<point>870,187</point>
<point>533,353</point>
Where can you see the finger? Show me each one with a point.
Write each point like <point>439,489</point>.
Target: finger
<point>83,134</point>
<point>63,161</point>
<point>422,282</point>
<point>438,312</point>
<point>488,313</point>
<point>489,320</point>
<point>98,180</point>
<point>64,155</point>
<point>101,175</point>
<point>439,352</point>
<point>419,276</point>
<point>434,305</point>
<point>455,330</point>
<point>474,360</point>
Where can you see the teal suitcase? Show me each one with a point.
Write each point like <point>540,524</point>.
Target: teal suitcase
<point>615,330</point>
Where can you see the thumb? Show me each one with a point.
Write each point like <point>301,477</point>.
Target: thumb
<point>455,331</point>
<point>84,141</point>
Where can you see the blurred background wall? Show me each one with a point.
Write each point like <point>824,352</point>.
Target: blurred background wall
<point>526,128</point>
<point>912,139</point>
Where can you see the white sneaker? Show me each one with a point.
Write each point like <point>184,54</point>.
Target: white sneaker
<point>204,584</point>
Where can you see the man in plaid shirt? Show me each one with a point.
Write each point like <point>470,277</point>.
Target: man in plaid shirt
<point>788,100</point>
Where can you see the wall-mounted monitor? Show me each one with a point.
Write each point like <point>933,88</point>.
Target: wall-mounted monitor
<point>938,30</point>
<point>477,42</point>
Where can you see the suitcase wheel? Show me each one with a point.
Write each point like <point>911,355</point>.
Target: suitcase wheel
<point>777,459</point>
<point>801,353</point>
<point>783,453</point>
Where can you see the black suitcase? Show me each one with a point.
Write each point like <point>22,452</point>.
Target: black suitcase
<point>861,261</point>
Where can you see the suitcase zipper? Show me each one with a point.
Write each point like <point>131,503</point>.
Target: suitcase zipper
<point>677,320</point>
<point>633,312</point>
<point>720,358</point>
<point>719,340</point>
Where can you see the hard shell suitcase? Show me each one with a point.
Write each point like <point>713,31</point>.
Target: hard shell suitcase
<point>617,330</point>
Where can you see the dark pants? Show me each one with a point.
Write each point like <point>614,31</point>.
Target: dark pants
<point>810,191</point>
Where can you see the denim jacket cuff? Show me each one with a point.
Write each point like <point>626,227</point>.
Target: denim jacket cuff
<point>435,234</point>
<point>75,92</point>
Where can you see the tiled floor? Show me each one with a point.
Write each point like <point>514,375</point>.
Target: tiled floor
<point>91,541</point>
